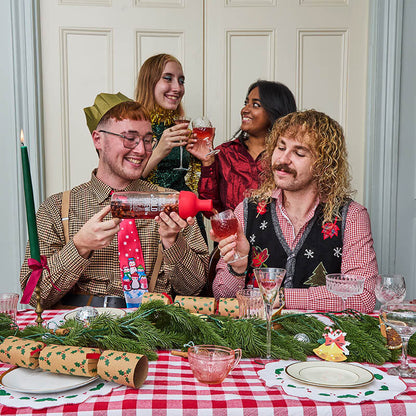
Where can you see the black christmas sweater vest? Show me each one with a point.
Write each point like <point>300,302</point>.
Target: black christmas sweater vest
<point>318,252</point>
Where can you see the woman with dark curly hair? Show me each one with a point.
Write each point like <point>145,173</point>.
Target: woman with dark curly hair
<point>227,176</point>
<point>302,219</point>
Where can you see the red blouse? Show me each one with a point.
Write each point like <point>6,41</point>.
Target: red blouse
<point>232,175</point>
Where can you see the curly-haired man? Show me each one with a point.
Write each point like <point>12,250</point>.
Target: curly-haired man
<point>302,218</point>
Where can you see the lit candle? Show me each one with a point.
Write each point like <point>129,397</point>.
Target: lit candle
<point>30,206</point>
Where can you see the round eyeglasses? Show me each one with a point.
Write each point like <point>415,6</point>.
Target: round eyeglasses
<point>132,138</point>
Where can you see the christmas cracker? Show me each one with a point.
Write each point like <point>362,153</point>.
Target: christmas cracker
<point>197,304</point>
<point>228,307</point>
<point>149,296</point>
<point>20,352</point>
<point>123,368</point>
<point>62,359</point>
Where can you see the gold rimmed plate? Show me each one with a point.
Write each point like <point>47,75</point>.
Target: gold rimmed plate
<point>114,312</point>
<point>26,380</point>
<point>329,374</point>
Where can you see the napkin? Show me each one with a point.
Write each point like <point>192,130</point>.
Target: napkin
<point>383,387</point>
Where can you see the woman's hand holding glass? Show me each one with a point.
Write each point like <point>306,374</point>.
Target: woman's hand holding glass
<point>202,140</point>
<point>182,121</point>
<point>174,136</point>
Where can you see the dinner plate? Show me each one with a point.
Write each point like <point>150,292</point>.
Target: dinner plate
<point>329,374</point>
<point>115,312</point>
<point>26,380</point>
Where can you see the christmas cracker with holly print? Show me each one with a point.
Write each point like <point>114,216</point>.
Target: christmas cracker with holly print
<point>228,307</point>
<point>196,304</point>
<point>20,352</point>
<point>123,368</point>
<point>62,359</point>
<point>149,296</point>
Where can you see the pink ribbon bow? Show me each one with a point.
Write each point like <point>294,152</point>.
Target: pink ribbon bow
<point>37,269</point>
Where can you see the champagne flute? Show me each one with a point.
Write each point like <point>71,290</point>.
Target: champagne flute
<point>225,224</point>
<point>269,281</point>
<point>402,318</point>
<point>344,285</point>
<point>390,288</point>
<point>203,130</point>
<point>181,120</point>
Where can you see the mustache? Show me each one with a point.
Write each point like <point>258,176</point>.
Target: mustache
<point>284,168</point>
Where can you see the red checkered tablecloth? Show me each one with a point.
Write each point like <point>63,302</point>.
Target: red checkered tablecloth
<point>171,389</point>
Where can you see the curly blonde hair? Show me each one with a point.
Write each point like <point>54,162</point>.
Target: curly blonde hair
<point>330,168</point>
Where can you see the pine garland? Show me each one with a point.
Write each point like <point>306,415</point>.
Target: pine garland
<point>158,326</point>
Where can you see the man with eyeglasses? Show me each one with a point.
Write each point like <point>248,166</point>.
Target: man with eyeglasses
<point>84,268</point>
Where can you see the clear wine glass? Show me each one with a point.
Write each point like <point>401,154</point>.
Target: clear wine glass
<point>269,281</point>
<point>402,318</point>
<point>181,120</point>
<point>203,130</point>
<point>225,224</point>
<point>390,288</point>
<point>344,285</point>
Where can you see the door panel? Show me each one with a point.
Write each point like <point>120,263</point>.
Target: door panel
<point>317,48</point>
<point>94,46</point>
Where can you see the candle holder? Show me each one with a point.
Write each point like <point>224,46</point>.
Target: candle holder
<point>39,308</point>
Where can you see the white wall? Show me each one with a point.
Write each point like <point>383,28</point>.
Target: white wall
<point>10,234</point>
<point>19,103</point>
<point>19,106</point>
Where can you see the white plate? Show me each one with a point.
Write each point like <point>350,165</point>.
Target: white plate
<point>115,312</point>
<point>26,380</point>
<point>329,374</point>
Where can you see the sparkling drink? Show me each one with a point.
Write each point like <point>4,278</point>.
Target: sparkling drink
<point>204,133</point>
<point>224,224</point>
<point>224,227</point>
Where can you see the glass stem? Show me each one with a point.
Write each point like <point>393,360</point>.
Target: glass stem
<point>180,156</point>
<point>269,309</point>
<point>403,360</point>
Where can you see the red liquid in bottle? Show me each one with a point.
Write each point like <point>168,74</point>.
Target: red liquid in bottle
<point>224,228</point>
<point>143,208</point>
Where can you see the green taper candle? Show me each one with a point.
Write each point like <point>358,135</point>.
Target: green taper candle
<point>30,205</point>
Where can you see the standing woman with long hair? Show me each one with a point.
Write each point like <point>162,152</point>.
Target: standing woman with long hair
<point>160,88</point>
<point>230,174</point>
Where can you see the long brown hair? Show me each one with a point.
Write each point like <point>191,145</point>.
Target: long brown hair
<point>330,169</point>
<point>149,75</point>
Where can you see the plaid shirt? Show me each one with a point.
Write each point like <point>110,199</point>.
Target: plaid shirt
<point>358,257</point>
<point>184,266</point>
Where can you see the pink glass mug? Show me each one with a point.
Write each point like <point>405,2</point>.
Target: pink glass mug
<point>210,364</point>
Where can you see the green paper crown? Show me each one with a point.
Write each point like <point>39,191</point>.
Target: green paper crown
<point>103,102</point>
